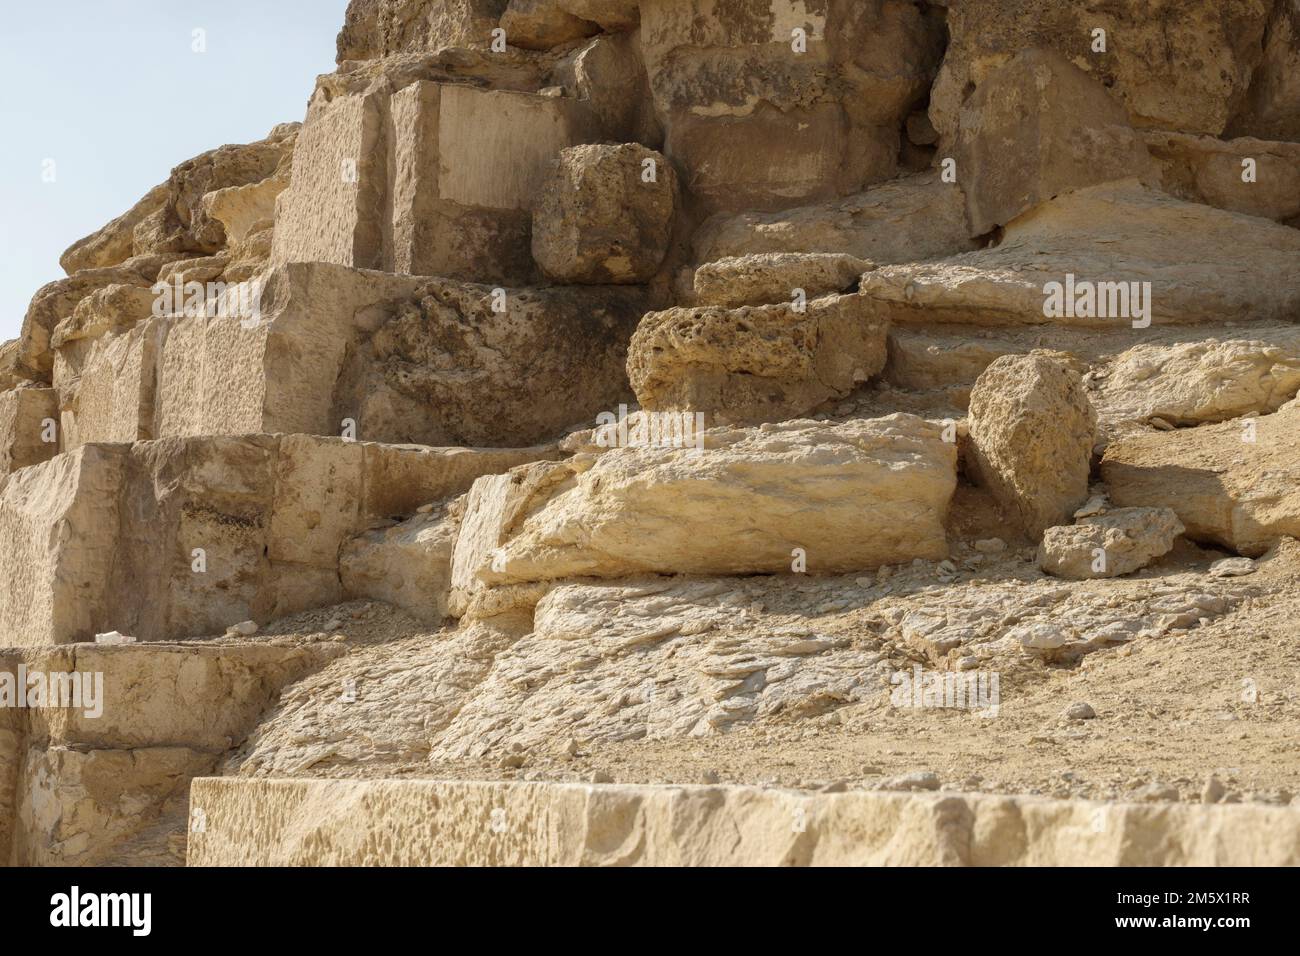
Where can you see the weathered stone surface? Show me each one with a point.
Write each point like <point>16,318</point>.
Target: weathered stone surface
<point>1036,128</point>
<point>269,513</point>
<point>1117,542</point>
<point>86,779</point>
<point>439,179</point>
<point>755,364</point>
<point>1196,382</point>
<point>910,219</point>
<point>427,822</point>
<point>1209,170</point>
<point>114,243</point>
<point>1204,265</point>
<point>1272,108</point>
<point>854,496</point>
<point>107,386</point>
<point>609,75</point>
<point>378,28</point>
<point>542,24</point>
<point>1177,64</point>
<point>24,414</point>
<point>753,124</point>
<point>767,278</point>
<point>1032,431</point>
<point>605,215</point>
<point>1226,488</point>
<point>612,15</point>
<point>408,565</point>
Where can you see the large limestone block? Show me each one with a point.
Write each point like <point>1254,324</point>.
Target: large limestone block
<point>758,117</point>
<point>909,219</point>
<point>1036,128</point>
<point>1203,265</point>
<point>766,278</point>
<point>142,720</point>
<point>605,215</point>
<point>608,74</point>
<point>404,359</point>
<point>408,565</point>
<point>436,179</point>
<point>1236,484</point>
<point>1175,64</point>
<point>26,417</point>
<point>1120,541</point>
<point>853,496</point>
<point>107,393</point>
<point>380,28</point>
<point>283,822</point>
<point>1032,431</point>
<point>1192,383</point>
<point>755,364</point>
<point>113,244</point>
<point>543,24</point>
<point>1220,173</point>
<point>184,537</point>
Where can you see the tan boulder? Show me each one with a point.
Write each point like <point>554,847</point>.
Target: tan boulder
<point>852,496</point>
<point>1220,172</point>
<point>1175,64</point>
<point>1117,542</point>
<point>1036,128</point>
<point>1104,242</point>
<point>909,219</point>
<point>26,417</point>
<point>113,244</point>
<point>542,24</point>
<point>755,364</point>
<point>766,278</point>
<point>605,215</point>
<point>1235,484</point>
<point>1032,432</point>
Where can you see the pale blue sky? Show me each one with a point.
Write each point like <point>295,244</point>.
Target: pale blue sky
<point>112,91</point>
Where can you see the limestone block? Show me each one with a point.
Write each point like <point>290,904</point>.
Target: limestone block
<point>25,418</point>
<point>1120,541</point>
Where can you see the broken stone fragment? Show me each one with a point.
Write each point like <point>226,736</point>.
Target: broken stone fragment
<point>1121,541</point>
<point>755,364</point>
<point>1032,432</point>
<point>605,215</point>
<point>775,277</point>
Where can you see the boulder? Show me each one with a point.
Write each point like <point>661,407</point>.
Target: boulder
<point>1036,128</point>
<point>1235,485</point>
<point>755,364</point>
<point>1174,64</point>
<point>1108,545</point>
<point>543,24</point>
<point>113,244</point>
<point>1081,260</point>
<point>1209,170</point>
<point>767,278</point>
<point>605,215</point>
<point>1032,432</point>
<point>853,496</point>
<point>909,219</point>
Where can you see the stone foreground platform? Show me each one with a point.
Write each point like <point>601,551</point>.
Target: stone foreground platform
<point>458,823</point>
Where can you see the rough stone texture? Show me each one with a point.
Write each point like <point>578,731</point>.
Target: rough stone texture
<point>599,220</point>
<point>270,513</point>
<point>1036,128</point>
<point>1197,382</point>
<point>75,788</point>
<point>542,24</point>
<point>405,359</point>
<point>753,124</point>
<point>854,496</point>
<point>1226,489</point>
<point>755,364</point>
<point>378,28</point>
<point>1131,538</point>
<point>437,179</point>
<point>1209,170</point>
<point>114,243</point>
<point>24,413</point>
<point>608,74</point>
<point>1032,431</point>
<point>1204,265</point>
<point>910,219</point>
<point>1272,108</point>
<point>767,278</point>
<point>1175,64</point>
<point>431,823</point>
